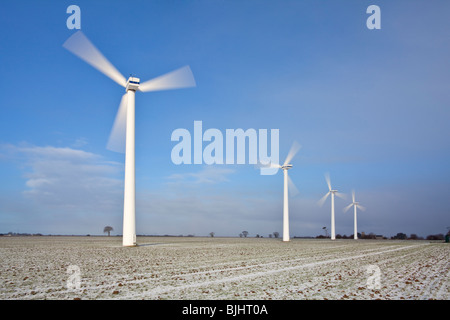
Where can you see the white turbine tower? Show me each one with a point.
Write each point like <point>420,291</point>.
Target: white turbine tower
<point>355,205</point>
<point>288,185</point>
<point>123,132</point>
<point>322,200</point>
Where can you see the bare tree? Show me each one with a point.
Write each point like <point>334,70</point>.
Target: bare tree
<point>211,234</point>
<point>276,234</point>
<point>245,233</point>
<point>108,229</point>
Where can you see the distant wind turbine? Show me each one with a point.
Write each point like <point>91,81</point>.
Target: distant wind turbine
<point>123,132</point>
<point>322,200</point>
<point>355,205</point>
<point>289,186</point>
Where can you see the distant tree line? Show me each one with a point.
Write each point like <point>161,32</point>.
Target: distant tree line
<point>17,234</point>
<point>398,236</point>
<point>439,236</point>
<point>361,235</point>
<point>413,236</point>
<point>245,233</point>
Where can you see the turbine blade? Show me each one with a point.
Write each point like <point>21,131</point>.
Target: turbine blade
<point>327,178</point>
<point>293,191</point>
<point>117,136</point>
<point>361,207</point>
<point>180,78</point>
<point>348,207</point>
<point>353,195</point>
<point>80,46</point>
<point>322,200</point>
<point>292,152</point>
<point>341,195</point>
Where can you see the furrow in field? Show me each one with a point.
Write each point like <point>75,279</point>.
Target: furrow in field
<point>152,293</point>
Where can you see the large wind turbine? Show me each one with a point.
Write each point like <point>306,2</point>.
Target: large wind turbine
<point>322,200</point>
<point>123,131</point>
<point>287,184</point>
<point>355,205</point>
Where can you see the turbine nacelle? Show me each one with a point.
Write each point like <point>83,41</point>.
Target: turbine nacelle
<point>133,84</point>
<point>354,204</point>
<point>286,167</point>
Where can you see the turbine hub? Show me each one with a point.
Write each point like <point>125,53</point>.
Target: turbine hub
<point>287,167</point>
<point>133,83</point>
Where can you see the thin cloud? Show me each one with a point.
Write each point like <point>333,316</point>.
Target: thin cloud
<point>209,174</point>
<point>80,142</point>
<point>66,180</point>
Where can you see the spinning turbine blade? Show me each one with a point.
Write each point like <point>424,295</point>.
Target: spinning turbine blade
<point>353,195</point>
<point>80,46</point>
<point>361,207</point>
<point>180,78</point>
<point>341,195</point>
<point>348,207</point>
<point>327,178</point>
<point>293,191</point>
<point>322,200</point>
<point>117,137</point>
<point>292,152</point>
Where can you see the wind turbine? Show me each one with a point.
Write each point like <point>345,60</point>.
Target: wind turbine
<point>322,200</point>
<point>287,184</point>
<point>123,132</point>
<point>355,205</point>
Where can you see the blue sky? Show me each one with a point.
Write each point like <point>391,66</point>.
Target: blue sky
<point>368,106</point>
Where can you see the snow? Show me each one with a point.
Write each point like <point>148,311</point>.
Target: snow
<point>222,268</point>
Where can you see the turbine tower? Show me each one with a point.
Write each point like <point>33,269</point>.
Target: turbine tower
<point>285,168</point>
<point>123,131</point>
<point>322,200</point>
<point>355,205</point>
<point>287,185</point>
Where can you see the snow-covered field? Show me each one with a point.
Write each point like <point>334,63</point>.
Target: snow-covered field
<point>221,268</point>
